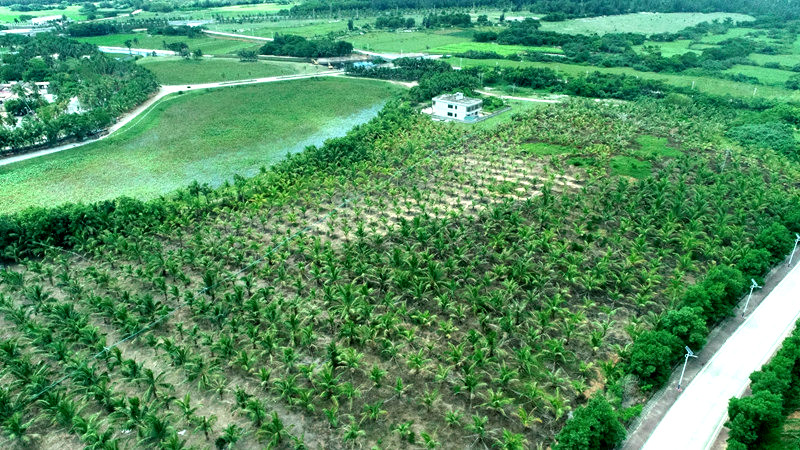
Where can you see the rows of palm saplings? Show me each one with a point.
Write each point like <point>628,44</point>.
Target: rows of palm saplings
<point>358,305</point>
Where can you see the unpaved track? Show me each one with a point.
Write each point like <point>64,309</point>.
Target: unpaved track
<point>163,92</point>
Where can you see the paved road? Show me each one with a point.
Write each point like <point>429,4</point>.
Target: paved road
<point>695,419</point>
<point>163,92</point>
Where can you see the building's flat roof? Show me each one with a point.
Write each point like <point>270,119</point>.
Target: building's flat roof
<point>458,98</point>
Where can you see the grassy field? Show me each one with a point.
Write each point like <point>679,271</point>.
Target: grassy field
<point>186,138</point>
<point>237,10</point>
<point>417,41</point>
<point>209,45</point>
<point>504,50</point>
<point>775,77</point>
<point>307,27</point>
<point>786,60</point>
<point>7,15</point>
<point>710,85</point>
<point>648,23</point>
<point>174,70</point>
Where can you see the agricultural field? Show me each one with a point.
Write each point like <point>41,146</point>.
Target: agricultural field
<point>307,27</point>
<point>187,137</point>
<point>414,284</point>
<point>209,45</point>
<point>7,15</point>
<point>710,85</point>
<point>410,42</point>
<point>784,60</point>
<point>647,23</point>
<point>504,50</point>
<point>176,70</point>
<point>774,77</point>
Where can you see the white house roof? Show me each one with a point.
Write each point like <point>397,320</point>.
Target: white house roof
<point>45,19</point>
<point>458,99</point>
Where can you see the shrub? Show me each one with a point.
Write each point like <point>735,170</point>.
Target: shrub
<point>687,324</point>
<point>755,263</point>
<point>594,426</point>
<point>776,239</point>
<point>651,357</point>
<point>775,135</point>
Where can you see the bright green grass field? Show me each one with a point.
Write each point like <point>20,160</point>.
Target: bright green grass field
<point>785,60</point>
<point>648,23</point>
<point>306,28</point>
<point>415,41</point>
<point>775,77</point>
<point>710,85</point>
<point>209,45</point>
<point>206,136</point>
<point>504,50</point>
<point>175,70</point>
<point>7,15</point>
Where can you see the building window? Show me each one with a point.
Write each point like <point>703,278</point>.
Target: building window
<point>449,106</point>
<point>449,114</point>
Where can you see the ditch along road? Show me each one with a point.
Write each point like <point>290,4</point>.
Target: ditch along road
<point>693,418</point>
<point>162,92</point>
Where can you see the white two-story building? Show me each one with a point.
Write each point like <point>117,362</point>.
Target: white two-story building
<point>457,107</point>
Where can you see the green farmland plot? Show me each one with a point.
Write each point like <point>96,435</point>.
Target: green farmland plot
<point>775,77</point>
<point>209,45</point>
<point>7,15</point>
<point>413,41</point>
<point>647,23</point>
<point>175,70</point>
<point>187,137</point>
<point>504,50</point>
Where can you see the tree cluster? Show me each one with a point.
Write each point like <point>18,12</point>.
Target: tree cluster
<point>292,45</point>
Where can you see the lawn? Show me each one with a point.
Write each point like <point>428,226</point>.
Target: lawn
<point>709,85</point>
<point>174,70</point>
<point>504,50</point>
<point>785,60</point>
<point>305,27</point>
<point>237,10</point>
<point>206,136</point>
<point>209,45</point>
<point>414,41</point>
<point>775,77</point>
<point>648,23</point>
<point>7,15</point>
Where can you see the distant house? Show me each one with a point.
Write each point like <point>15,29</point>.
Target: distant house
<point>457,107</point>
<point>44,20</point>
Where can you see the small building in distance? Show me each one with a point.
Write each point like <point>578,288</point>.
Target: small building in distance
<point>46,20</point>
<point>457,107</point>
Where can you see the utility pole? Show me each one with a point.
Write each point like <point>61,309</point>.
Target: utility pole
<point>796,240</point>
<point>753,285</point>
<point>689,354</point>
